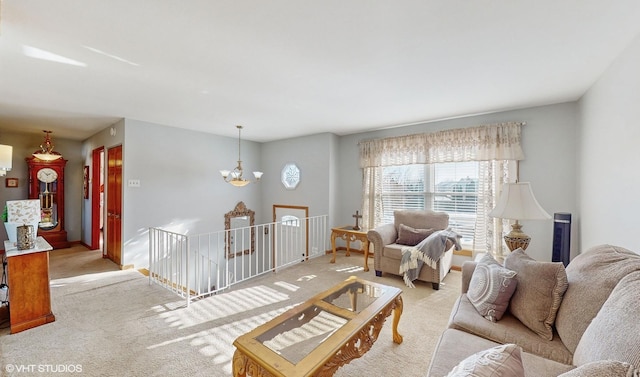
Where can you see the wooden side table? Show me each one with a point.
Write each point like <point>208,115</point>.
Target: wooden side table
<point>348,234</point>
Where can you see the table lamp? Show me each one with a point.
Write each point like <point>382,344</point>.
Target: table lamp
<point>517,202</point>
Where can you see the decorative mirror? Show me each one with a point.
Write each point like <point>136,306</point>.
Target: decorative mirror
<point>239,231</point>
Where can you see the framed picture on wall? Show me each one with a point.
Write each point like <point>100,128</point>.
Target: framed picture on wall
<point>85,182</point>
<point>11,182</point>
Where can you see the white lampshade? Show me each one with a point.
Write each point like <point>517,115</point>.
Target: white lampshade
<point>6,152</point>
<point>517,202</point>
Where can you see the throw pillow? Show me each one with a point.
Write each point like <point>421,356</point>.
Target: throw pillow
<point>491,288</point>
<point>538,295</point>
<point>503,360</point>
<point>604,368</point>
<point>410,236</point>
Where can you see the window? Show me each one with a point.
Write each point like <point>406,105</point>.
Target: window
<point>445,187</point>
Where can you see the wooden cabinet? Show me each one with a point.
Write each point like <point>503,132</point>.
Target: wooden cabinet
<point>29,292</point>
<point>46,183</point>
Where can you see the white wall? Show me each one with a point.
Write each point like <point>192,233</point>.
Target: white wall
<point>549,143</point>
<point>609,137</point>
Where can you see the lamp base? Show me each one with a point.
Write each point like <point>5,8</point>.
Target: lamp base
<point>516,238</point>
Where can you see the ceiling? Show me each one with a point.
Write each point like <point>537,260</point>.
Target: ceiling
<point>297,67</point>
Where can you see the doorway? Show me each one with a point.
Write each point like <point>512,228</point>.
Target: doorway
<point>291,242</point>
<point>114,205</point>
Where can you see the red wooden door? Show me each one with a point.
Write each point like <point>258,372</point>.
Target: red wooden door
<point>114,205</point>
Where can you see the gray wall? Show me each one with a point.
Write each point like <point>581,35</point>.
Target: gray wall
<point>181,188</point>
<point>610,132</point>
<point>315,156</point>
<point>107,138</point>
<point>549,143</point>
<point>23,146</point>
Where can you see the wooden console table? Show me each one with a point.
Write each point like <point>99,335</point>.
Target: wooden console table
<point>28,279</point>
<point>320,335</point>
<point>348,234</point>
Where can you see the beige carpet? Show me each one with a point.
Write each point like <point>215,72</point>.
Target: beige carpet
<point>113,323</point>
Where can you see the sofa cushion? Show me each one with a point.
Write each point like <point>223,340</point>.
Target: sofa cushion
<point>509,329</point>
<point>541,286</point>
<point>502,360</point>
<point>592,275</point>
<point>603,368</point>
<point>455,345</point>
<point>411,236</point>
<point>424,219</point>
<point>613,333</point>
<point>491,288</point>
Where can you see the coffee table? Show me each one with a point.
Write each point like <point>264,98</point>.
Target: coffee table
<point>320,335</point>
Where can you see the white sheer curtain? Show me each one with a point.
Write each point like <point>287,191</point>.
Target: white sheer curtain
<point>497,146</point>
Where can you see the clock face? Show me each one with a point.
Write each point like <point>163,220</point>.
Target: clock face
<point>47,175</point>
<point>290,176</point>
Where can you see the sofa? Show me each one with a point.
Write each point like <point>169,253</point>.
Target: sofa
<point>412,226</point>
<point>595,330</point>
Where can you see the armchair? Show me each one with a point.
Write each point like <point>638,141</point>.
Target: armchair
<point>387,253</point>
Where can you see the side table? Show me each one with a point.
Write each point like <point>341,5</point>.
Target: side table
<point>29,291</point>
<point>348,234</point>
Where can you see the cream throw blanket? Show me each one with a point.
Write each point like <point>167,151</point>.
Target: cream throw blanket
<point>427,251</point>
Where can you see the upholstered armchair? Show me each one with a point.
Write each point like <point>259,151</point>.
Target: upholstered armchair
<point>388,254</point>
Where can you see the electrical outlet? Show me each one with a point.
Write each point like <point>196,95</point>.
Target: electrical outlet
<point>134,183</point>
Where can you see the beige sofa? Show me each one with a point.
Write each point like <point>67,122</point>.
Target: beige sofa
<point>388,254</point>
<point>598,319</point>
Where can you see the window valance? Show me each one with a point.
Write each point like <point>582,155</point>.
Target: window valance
<point>499,141</point>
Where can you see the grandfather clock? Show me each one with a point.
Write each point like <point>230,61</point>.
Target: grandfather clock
<point>46,183</point>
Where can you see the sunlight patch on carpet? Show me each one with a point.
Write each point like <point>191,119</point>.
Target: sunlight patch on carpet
<point>87,278</point>
<point>349,269</point>
<point>215,343</point>
<point>224,305</point>
<point>287,286</point>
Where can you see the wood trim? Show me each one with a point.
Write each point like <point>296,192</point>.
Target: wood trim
<point>463,252</point>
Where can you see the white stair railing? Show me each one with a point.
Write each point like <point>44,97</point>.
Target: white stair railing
<point>196,266</point>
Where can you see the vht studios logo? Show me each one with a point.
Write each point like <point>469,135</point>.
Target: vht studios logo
<point>43,368</point>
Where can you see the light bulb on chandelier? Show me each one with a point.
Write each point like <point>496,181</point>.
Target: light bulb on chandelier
<point>234,176</point>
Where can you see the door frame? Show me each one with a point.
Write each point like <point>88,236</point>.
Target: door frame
<point>306,224</point>
<point>97,165</point>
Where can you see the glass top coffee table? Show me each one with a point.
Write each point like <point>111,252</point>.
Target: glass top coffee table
<point>320,335</point>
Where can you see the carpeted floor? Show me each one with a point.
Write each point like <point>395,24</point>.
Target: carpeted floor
<point>113,323</point>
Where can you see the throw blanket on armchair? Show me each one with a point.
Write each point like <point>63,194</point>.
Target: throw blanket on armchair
<point>428,251</point>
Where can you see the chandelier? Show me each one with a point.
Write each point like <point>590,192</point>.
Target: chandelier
<point>46,152</point>
<point>235,176</point>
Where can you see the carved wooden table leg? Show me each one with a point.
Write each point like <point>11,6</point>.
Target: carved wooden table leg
<point>397,312</point>
<point>366,255</point>
<point>333,246</point>
<point>347,238</point>
<point>239,364</point>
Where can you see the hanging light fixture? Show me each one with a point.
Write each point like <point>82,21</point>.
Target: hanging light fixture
<point>235,176</point>
<point>46,152</point>
<point>6,152</point>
